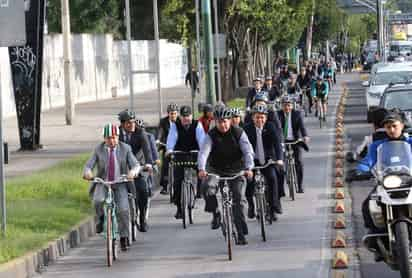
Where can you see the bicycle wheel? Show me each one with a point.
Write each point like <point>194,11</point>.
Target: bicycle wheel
<point>228,226</point>
<point>290,183</point>
<point>133,220</point>
<point>170,183</point>
<point>320,114</point>
<point>109,237</point>
<point>261,212</point>
<point>191,205</point>
<point>294,178</point>
<point>183,203</point>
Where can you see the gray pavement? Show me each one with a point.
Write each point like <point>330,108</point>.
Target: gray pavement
<point>61,142</point>
<point>297,246</point>
<point>356,128</point>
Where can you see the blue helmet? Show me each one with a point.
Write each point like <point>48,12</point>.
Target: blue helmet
<point>261,96</point>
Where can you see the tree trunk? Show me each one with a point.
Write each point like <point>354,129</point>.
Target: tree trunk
<point>309,32</point>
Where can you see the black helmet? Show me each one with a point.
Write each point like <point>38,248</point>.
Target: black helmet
<point>261,96</point>
<point>236,112</point>
<point>172,107</point>
<point>139,123</point>
<point>262,109</point>
<point>126,115</point>
<point>207,108</point>
<point>185,111</point>
<point>222,113</point>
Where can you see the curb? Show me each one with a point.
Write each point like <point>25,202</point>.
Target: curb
<point>35,262</point>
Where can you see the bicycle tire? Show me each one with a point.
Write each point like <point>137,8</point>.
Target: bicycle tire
<point>228,226</point>
<point>133,223</point>
<point>183,203</point>
<point>170,184</point>
<point>109,238</point>
<point>191,203</point>
<point>320,115</point>
<point>290,184</point>
<point>261,213</point>
<point>294,178</point>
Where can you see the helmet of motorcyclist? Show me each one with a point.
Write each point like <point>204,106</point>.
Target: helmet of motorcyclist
<point>126,115</point>
<point>172,107</point>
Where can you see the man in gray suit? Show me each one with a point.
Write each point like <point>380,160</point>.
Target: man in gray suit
<point>112,159</point>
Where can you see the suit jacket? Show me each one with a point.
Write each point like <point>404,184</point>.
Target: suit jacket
<point>100,157</point>
<point>250,96</point>
<point>164,127</point>
<point>272,140</point>
<point>139,142</point>
<point>272,117</point>
<point>298,127</point>
<point>153,149</point>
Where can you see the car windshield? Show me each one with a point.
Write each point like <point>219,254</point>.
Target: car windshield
<point>384,78</point>
<point>398,99</point>
<point>394,157</point>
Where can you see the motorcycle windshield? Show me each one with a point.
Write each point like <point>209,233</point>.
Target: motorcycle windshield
<point>394,157</point>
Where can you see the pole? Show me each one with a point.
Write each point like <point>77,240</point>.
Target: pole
<point>219,80</point>
<point>199,62</point>
<point>67,58</point>
<point>2,182</point>
<point>156,32</point>
<point>189,70</point>
<point>208,46</point>
<point>129,53</point>
<point>381,32</point>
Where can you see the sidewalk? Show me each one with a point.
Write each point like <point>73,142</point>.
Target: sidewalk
<point>61,142</point>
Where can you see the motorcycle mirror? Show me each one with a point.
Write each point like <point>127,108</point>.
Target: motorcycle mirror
<point>350,157</point>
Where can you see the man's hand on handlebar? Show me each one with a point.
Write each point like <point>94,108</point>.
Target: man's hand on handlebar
<point>249,174</point>
<point>202,174</point>
<point>88,175</point>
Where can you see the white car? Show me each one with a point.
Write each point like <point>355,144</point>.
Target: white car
<point>382,76</point>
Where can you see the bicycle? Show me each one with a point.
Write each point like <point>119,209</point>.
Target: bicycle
<point>291,175</point>
<point>262,205</point>
<point>319,110</point>
<point>304,102</point>
<point>188,193</point>
<point>228,226</point>
<point>169,174</point>
<point>110,230</point>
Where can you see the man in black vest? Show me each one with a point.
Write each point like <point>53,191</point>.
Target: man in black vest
<point>138,140</point>
<point>227,151</point>
<point>164,126</point>
<point>185,135</point>
<point>293,129</point>
<point>267,145</point>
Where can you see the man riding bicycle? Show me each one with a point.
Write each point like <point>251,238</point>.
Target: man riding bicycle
<point>320,91</point>
<point>226,151</point>
<point>139,142</point>
<point>267,145</point>
<point>112,159</point>
<point>305,83</point>
<point>185,135</point>
<point>253,92</point>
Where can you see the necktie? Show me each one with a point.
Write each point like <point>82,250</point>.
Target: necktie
<point>286,126</point>
<point>110,172</point>
<point>259,147</point>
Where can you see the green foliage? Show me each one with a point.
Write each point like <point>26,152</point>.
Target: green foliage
<point>43,206</point>
<point>328,20</point>
<point>97,16</point>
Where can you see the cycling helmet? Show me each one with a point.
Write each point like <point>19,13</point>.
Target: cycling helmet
<point>110,130</point>
<point>207,108</point>
<point>288,99</point>
<point>185,111</point>
<point>262,109</point>
<point>236,112</point>
<point>172,107</point>
<point>258,78</point>
<point>126,115</point>
<point>222,113</point>
<point>139,123</point>
<point>261,96</point>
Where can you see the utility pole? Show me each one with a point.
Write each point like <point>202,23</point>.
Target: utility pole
<point>199,61</point>
<point>157,41</point>
<point>129,53</point>
<point>67,59</point>
<point>208,46</point>
<point>219,84</point>
<point>2,179</point>
<point>309,32</point>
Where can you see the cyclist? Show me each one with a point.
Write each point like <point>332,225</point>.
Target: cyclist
<point>112,159</point>
<point>164,127</point>
<point>263,99</point>
<point>293,129</point>
<point>139,142</point>
<point>273,91</point>
<point>305,81</point>
<point>267,145</point>
<point>237,117</point>
<point>253,92</point>
<point>207,117</point>
<point>185,135</point>
<point>329,74</point>
<point>226,151</point>
<point>320,91</point>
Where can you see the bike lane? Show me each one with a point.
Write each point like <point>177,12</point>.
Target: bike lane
<point>298,244</point>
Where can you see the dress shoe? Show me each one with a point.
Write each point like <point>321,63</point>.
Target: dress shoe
<point>216,221</point>
<point>164,191</point>
<point>179,214</point>
<point>123,243</point>
<point>99,225</point>
<point>278,210</point>
<point>300,190</point>
<point>241,240</point>
<point>143,227</point>
<point>274,217</point>
<point>251,212</point>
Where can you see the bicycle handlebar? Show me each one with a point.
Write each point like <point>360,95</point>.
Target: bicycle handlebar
<point>183,152</point>
<point>270,162</point>
<point>293,143</point>
<point>122,179</point>
<point>240,174</point>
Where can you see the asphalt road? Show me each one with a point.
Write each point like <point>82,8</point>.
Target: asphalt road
<point>297,245</point>
<point>356,128</point>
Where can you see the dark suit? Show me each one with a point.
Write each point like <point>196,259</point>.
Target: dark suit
<point>298,131</point>
<point>272,147</point>
<point>164,127</point>
<point>250,96</point>
<point>272,117</point>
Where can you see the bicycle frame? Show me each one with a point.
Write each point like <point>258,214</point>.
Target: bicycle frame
<point>291,175</point>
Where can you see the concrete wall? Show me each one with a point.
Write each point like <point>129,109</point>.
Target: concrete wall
<point>99,69</point>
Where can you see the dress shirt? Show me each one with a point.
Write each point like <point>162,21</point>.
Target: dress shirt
<point>260,152</point>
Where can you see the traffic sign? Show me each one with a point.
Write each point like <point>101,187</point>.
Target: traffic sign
<point>405,18</point>
<point>12,23</point>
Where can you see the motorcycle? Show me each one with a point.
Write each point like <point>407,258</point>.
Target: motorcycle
<point>390,206</point>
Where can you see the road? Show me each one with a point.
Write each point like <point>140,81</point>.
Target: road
<point>356,128</point>
<point>297,246</point>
